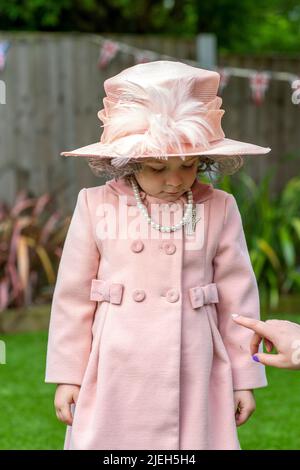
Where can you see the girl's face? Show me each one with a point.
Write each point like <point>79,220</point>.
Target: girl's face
<point>167,179</point>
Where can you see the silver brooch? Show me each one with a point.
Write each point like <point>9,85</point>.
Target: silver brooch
<point>190,227</point>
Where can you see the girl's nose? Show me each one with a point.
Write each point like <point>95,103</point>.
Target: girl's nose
<point>174,181</point>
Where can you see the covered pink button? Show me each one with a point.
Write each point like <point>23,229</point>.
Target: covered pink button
<point>168,247</point>
<point>172,295</point>
<point>137,246</point>
<point>138,295</point>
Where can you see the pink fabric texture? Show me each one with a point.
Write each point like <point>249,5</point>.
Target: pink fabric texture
<point>144,326</point>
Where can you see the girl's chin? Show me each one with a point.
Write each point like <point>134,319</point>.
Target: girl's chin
<point>169,196</point>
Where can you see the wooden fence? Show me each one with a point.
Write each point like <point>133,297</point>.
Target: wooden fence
<point>54,90</point>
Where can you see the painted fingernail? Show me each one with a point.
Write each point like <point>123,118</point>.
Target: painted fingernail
<point>255,358</point>
<point>234,315</point>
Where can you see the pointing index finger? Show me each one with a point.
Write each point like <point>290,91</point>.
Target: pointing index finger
<point>256,325</point>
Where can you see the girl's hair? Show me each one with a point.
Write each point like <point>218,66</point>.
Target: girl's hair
<point>219,165</point>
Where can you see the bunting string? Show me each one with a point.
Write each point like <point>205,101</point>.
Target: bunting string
<point>259,80</point>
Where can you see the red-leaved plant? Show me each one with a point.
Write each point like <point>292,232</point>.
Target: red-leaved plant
<point>32,234</point>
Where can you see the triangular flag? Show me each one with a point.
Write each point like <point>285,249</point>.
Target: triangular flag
<point>108,50</point>
<point>259,83</point>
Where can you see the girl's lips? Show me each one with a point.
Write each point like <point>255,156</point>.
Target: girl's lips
<point>177,192</point>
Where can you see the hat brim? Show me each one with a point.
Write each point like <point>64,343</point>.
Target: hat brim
<point>222,147</point>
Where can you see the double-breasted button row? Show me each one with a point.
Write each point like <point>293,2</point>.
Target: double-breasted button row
<point>172,295</point>
<point>167,246</point>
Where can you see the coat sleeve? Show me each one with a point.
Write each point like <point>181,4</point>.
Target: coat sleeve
<point>238,293</point>
<point>71,318</point>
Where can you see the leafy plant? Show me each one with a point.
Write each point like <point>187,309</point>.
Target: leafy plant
<point>32,233</point>
<point>272,229</point>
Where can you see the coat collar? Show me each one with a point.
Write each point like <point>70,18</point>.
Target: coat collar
<point>201,192</point>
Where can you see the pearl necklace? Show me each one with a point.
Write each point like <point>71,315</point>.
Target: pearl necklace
<point>163,228</point>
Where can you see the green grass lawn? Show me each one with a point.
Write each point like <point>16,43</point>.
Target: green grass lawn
<point>28,420</point>
<point>27,415</point>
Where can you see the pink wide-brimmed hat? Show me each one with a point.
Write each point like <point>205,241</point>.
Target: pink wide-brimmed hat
<point>163,109</point>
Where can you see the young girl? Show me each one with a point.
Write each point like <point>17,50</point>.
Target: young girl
<point>142,345</point>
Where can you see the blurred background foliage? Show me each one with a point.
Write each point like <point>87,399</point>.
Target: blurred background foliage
<point>241,26</point>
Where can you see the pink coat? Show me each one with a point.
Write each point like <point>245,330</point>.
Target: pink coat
<point>143,323</point>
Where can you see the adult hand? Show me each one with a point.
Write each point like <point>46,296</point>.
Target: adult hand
<point>281,334</point>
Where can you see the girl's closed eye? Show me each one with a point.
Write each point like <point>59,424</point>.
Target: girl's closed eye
<point>157,170</point>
